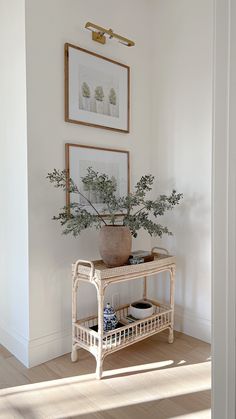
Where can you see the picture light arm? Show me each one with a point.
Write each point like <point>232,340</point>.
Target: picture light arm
<point>99,35</point>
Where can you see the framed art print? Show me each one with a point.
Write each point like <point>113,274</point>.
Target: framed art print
<point>97,90</point>
<point>114,163</point>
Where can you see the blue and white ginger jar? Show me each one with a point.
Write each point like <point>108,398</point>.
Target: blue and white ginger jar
<point>109,318</point>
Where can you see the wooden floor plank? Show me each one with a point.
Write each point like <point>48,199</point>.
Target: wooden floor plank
<point>150,379</point>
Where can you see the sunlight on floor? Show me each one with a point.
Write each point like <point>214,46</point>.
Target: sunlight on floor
<point>204,414</point>
<point>126,391</point>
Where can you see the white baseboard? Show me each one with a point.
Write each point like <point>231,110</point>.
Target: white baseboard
<point>191,325</point>
<point>49,347</point>
<point>15,344</point>
<point>36,351</point>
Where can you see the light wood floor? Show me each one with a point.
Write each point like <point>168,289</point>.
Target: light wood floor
<point>151,379</point>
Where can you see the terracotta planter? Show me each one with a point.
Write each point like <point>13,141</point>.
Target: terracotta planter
<point>115,245</point>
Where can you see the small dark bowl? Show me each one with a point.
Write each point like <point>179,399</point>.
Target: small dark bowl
<point>141,305</point>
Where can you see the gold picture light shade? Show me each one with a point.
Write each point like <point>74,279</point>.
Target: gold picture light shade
<point>99,35</point>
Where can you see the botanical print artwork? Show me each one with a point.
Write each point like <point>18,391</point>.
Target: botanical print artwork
<point>83,161</point>
<point>110,169</point>
<point>98,92</point>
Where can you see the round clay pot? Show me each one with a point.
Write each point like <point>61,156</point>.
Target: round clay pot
<point>115,245</point>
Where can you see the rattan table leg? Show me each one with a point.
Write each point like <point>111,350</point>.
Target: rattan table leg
<point>99,369</point>
<point>100,297</point>
<point>172,297</point>
<point>74,352</point>
<point>145,288</point>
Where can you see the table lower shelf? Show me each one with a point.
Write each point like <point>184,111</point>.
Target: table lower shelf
<point>123,336</point>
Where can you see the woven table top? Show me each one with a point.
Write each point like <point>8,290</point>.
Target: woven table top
<point>101,271</point>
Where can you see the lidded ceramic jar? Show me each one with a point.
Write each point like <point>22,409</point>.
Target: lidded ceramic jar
<point>109,318</point>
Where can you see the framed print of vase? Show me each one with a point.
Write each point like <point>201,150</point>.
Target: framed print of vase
<point>112,162</point>
<point>97,90</point>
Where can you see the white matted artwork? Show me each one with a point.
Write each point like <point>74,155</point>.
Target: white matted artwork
<point>96,90</point>
<point>114,163</point>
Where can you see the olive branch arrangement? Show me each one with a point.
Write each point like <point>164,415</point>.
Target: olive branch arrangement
<point>135,210</point>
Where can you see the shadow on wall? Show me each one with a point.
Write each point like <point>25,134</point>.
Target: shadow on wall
<point>191,244</point>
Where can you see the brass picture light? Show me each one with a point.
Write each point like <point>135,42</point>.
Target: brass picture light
<point>99,35</point>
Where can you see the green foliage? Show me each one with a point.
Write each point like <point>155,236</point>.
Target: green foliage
<point>85,90</point>
<point>112,96</point>
<point>76,221</point>
<point>136,210</point>
<point>99,95</point>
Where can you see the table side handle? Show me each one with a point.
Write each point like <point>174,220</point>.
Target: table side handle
<point>84,262</point>
<point>159,248</point>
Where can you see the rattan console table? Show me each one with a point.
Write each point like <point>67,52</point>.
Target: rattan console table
<point>101,343</point>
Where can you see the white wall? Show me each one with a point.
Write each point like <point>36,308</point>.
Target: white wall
<point>181,148</point>
<point>170,136</point>
<point>49,24</point>
<point>14,303</point>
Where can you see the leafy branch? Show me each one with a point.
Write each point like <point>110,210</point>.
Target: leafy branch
<point>136,210</point>
<point>60,179</point>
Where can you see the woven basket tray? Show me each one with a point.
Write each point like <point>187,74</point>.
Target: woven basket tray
<point>101,271</point>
